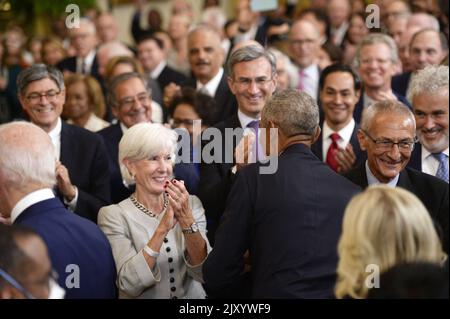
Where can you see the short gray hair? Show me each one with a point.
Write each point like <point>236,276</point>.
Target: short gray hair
<point>385,107</point>
<point>250,53</point>
<point>377,38</point>
<point>145,140</point>
<point>27,156</point>
<point>38,72</point>
<point>295,112</point>
<point>429,80</point>
<point>111,97</point>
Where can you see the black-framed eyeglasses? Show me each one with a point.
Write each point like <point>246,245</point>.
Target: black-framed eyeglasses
<point>35,97</point>
<point>386,145</point>
<point>129,101</point>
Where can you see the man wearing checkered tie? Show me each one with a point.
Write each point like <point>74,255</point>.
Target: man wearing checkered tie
<point>429,96</point>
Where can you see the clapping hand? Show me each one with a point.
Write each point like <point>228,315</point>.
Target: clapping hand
<point>179,202</point>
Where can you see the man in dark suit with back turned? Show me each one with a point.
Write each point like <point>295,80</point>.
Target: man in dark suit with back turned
<point>290,221</point>
<point>338,144</point>
<point>388,134</point>
<point>78,249</point>
<point>82,176</point>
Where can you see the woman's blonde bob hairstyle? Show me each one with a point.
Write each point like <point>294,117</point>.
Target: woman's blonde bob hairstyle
<point>145,140</point>
<point>383,226</point>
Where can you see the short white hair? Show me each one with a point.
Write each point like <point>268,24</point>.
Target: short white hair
<point>429,80</point>
<point>27,156</point>
<point>145,140</point>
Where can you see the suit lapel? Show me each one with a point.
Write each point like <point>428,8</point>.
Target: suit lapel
<point>405,182</point>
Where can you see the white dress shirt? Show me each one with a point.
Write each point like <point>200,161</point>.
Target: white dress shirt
<point>88,60</point>
<point>210,88</point>
<point>93,124</point>
<point>345,135</point>
<point>310,81</point>
<point>372,180</point>
<point>55,136</point>
<point>430,164</point>
<point>158,69</point>
<point>29,200</point>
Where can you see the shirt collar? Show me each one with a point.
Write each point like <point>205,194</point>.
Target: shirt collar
<point>372,180</point>
<point>55,134</point>
<point>29,200</point>
<point>213,84</point>
<point>345,133</point>
<point>123,127</point>
<point>426,153</point>
<point>158,69</point>
<point>311,71</point>
<point>89,59</point>
<point>244,119</point>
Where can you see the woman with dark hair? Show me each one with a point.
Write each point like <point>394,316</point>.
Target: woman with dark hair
<point>188,107</point>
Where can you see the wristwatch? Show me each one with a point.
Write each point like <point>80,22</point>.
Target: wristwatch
<point>192,229</point>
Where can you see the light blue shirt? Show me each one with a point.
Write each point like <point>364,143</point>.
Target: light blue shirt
<point>372,180</point>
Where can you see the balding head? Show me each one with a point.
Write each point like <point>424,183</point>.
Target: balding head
<point>27,156</point>
<point>423,21</point>
<point>304,42</point>
<point>110,50</point>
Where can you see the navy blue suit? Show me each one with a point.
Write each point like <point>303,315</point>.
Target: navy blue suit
<point>290,221</point>
<point>70,64</point>
<point>416,157</point>
<point>432,191</point>
<point>84,155</point>
<point>357,113</point>
<point>400,83</point>
<point>72,240</point>
<point>361,156</point>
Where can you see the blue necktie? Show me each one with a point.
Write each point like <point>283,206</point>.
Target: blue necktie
<point>442,171</point>
<point>255,126</point>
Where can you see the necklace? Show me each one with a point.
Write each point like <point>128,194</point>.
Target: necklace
<point>144,209</point>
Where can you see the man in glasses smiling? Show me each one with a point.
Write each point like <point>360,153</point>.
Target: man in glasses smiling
<point>388,135</point>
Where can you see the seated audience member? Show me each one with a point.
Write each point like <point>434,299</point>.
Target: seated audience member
<point>376,59</point>
<point>78,250</point>
<point>82,177</point>
<point>274,216</point>
<point>338,144</point>
<point>85,105</point>
<point>123,64</point>
<point>187,107</point>
<point>158,234</point>
<point>388,135</point>
<point>130,100</point>
<point>412,280</point>
<point>53,51</point>
<point>429,96</point>
<point>25,267</point>
<point>382,228</point>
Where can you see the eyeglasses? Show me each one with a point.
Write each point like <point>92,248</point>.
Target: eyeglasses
<point>129,101</point>
<point>53,276</point>
<point>385,145</point>
<point>305,41</point>
<point>245,83</point>
<point>379,61</point>
<point>35,97</point>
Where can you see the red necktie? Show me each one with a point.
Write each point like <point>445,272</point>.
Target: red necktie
<point>332,152</point>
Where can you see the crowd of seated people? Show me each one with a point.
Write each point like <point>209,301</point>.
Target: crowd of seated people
<point>271,154</point>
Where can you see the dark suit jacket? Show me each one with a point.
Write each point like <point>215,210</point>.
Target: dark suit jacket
<point>357,113</point>
<point>225,100</point>
<point>291,223</point>
<point>72,240</point>
<point>361,156</point>
<point>84,155</point>
<point>112,135</point>
<point>70,64</point>
<point>400,83</point>
<point>216,178</point>
<point>169,75</point>
<point>429,189</point>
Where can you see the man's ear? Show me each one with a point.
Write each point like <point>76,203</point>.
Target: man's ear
<point>362,140</point>
<point>316,134</point>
